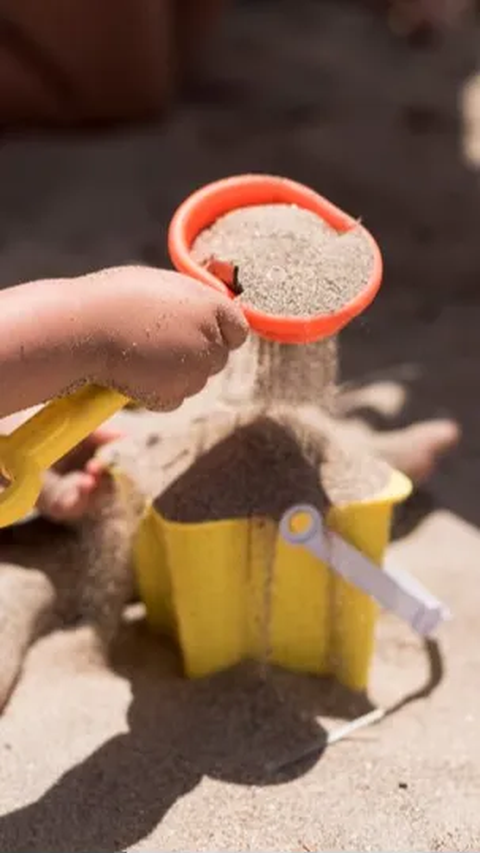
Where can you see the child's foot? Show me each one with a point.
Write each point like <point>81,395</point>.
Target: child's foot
<point>67,492</point>
<point>66,497</point>
<point>417,449</point>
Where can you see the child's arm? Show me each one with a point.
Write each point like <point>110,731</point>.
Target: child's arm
<point>156,336</point>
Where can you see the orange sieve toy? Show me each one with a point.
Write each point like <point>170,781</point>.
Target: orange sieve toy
<point>205,206</point>
<point>60,425</point>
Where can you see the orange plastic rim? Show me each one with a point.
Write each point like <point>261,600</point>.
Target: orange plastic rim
<point>206,205</point>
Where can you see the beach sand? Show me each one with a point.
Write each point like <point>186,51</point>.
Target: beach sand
<point>136,758</point>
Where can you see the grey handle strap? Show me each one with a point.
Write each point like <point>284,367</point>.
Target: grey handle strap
<point>392,589</point>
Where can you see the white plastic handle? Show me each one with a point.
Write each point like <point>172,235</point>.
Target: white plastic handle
<point>391,588</point>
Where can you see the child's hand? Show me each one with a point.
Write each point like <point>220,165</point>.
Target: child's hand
<point>156,336</point>
<point>161,335</point>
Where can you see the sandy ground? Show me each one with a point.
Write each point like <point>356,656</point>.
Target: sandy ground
<point>136,758</point>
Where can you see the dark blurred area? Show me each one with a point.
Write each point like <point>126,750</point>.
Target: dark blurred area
<point>376,105</point>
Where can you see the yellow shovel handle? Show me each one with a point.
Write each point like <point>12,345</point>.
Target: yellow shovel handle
<point>42,440</point>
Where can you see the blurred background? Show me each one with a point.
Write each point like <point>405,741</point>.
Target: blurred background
<point>112,113</point>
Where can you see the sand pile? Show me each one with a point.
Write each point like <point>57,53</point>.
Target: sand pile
<point>259,464</point>
<point>257,470</point>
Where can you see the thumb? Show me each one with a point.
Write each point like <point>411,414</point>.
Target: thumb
<point>232,323</point>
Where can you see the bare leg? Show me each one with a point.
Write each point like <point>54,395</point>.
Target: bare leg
<point>26,606</point>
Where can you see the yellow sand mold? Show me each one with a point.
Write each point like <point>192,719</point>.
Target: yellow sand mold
<point>213,587</point>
